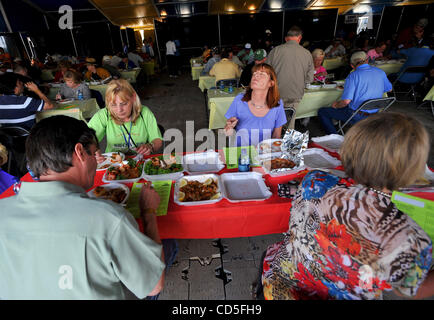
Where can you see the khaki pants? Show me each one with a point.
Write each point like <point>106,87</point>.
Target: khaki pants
<point>290,104</point>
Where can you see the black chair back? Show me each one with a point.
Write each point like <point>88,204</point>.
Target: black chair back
<point>382,104</point>
<point>98,97</point>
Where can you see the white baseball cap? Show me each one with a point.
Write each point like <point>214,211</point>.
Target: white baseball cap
<point>248,46</point>
<point>267,31</point>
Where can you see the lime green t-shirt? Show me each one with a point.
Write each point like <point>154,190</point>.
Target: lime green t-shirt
<point>145,130</point>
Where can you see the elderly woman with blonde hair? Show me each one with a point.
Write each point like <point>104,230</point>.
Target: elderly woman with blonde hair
<point>318,59</point>
<point>129,126</point>
<point>350,241</point>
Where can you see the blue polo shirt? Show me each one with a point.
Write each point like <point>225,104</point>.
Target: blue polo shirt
<point>364,83</point>
<point>415,57</point>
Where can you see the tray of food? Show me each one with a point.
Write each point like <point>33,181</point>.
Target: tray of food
<point>204,162</point>
<point>197,190</point>
<point>329,84</point>
<point>129,171</point>
<point>315,158</point>
<point>331,142</point>
<point>269,147</point>
<point>115,192</point>
<point>110,158</point>
<point>314,85</point>
<point>244,186</point>
<point>274,166</point>
<point>163,167</point>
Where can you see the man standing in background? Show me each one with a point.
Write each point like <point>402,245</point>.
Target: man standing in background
<point>294,68</point>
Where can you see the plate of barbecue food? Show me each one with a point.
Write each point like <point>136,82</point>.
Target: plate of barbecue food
<point>278,166</point>
<point>197,189</point>
<point>128,171</point>
<point>115,192</point>
<point>110,158</point>
<point>164,167</point>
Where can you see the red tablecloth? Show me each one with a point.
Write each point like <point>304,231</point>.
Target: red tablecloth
<point>220,220</point>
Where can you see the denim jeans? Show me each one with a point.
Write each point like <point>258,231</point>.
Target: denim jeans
<point>327,114</point>
<point>170,248</point>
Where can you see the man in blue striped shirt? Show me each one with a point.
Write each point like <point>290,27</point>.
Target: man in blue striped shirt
<point>16,109</point>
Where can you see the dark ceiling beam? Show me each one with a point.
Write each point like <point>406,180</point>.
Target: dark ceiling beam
<point>179,2</point>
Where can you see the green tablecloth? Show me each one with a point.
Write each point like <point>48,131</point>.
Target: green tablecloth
<point>333,63</point>
<point>102,88</point>
<point>79,109</point>
<point>206,82</point>
<point>196,60</point>
<point>389,68</point>
<point>47,74</point>
<point>195,72</point>
<point>219,103</point>
<point>315,99</point>
<point>148,67</point>
<point>430,95</point>
<point>130,75</point>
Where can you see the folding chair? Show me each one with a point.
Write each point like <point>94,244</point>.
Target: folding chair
<point>412,92</point>
<point>382,104</point>
<point>15,143</point>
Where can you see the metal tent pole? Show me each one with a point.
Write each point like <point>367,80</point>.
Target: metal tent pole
<point>336,22</point>
<point>73,41</point>
<point>24,44</point>
<point>5,17</point>
<point>283,26</point>
<point>122,39</point>
<point>400,17</point>
<point>218,26</point>
<point>379,25</point>
<point>156,41</point>
<point>111,39</point>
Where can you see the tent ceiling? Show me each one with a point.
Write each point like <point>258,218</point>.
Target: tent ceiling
<point>140,13</point>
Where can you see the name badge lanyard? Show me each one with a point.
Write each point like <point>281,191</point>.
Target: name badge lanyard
<point>129,135</point>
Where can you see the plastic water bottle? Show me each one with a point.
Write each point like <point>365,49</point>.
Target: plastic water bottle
<point>222,86</point>
<point>231,88</point>
<point>244,161</point>
<point>80,95</point>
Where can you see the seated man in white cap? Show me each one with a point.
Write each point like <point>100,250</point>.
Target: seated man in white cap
<point>260,57</point>
<point>364,83</point>
<point>246,55</point>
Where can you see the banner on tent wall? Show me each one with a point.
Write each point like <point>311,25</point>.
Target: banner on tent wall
<point>351,18</point>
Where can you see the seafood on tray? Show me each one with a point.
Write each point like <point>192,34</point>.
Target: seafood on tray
<point>116,195</point>
<point>131,170</point>
<point>197,191</point>
<point>278,163</point>
<point>162,165</point>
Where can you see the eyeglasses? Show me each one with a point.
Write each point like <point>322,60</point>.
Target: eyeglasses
<point>260,74</point>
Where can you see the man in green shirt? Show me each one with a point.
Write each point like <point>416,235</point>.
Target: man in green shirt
<point>57,243</point>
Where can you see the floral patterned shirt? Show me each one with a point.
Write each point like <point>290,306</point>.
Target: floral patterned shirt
<point>345,242</point>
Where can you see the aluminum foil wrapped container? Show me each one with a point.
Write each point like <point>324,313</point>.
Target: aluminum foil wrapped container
<point>293,145</point>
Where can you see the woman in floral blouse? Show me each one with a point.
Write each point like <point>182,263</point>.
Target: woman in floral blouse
<point>350,241</point>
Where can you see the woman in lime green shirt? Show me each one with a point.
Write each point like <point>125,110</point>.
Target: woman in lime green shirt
<point>128,125</point>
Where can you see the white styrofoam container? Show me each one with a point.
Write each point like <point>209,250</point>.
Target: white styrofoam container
<point>244,186</point>
<point>104,178</point>
<point>205,162</point>
<point>108,161</point>
<point>280,173</point>
<point>329,86</point>
<point>317,158</point>
<point>112,186</point>
<point>331,142</point>
<point>158,177</point>
<point>200,178</point>
<point>263,153</point>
